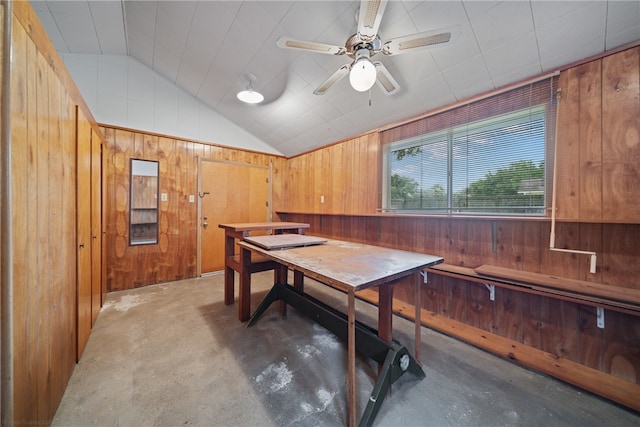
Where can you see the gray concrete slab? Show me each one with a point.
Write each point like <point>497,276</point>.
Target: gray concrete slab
<point>174,355</point>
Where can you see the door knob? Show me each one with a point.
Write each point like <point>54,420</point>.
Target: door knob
<point>205,224</point>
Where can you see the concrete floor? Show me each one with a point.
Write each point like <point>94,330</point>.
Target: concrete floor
<point>174,355</point>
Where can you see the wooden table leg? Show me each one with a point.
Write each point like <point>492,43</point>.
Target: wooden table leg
<point>351,348</point>
<point>298,280</point>
<point>229,243</point>
<point>280,274</point>
<point>385,312</point>
<point>385,315</point>
<point>244,299</point>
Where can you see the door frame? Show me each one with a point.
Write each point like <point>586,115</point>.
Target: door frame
<point>201,195</point>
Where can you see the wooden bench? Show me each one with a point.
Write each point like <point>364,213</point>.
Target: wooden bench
<point>234,262</point>
<point>616,298</point>
<point>597,295</point>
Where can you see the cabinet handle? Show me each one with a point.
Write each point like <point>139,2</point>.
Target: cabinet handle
<point>81,245</point>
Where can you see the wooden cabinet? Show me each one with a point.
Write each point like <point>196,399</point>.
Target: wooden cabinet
<point>89,226</point>
<point>96,226</point>
<point>83,239</point>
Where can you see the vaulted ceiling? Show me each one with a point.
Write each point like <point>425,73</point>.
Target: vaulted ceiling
<point>208,47</point>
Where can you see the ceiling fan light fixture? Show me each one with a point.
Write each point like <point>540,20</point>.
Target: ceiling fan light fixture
<point>250,95</point>
<point>363,73</point>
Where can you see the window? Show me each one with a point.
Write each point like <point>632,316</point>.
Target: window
<point>495,163</point>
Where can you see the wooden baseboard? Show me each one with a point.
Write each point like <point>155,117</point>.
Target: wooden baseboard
<point>608,386</point>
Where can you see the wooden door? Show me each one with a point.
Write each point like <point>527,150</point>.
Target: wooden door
<point>83,183</point>
<point>96,227</point>
<point>229,193</point>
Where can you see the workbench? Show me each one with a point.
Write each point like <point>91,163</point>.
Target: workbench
<point>351,267</point>
<point>250,264</point>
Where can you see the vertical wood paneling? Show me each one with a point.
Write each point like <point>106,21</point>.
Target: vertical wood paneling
<point>620,346</point>
<point>579,180</point>
<point>568,147</point>
<point>43,232</point>
<point>620,255</point>
<point>590,338</point>
<point>175,255</point>
<point>508,314</point>
<point>65,334</point>
<point>590,141</point>
<point>319,182</point>
<point>558,328</point>
<point>579,171</point>
<point>432,292</point>
<point>509,252</point>
<point>535,235</point>
<point>531,321</point>
<point>346,174</point>
<point>621,135</point>
<point>24,199</point>
<point>599,140</point>
<point>455,301</point>
<point>43,293</point>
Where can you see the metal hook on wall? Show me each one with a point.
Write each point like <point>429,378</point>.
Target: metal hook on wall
<point>202,194</point>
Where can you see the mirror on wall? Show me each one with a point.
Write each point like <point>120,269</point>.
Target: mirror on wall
<point>143,225</point>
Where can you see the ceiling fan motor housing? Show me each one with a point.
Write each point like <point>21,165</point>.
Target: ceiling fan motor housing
<point>354,44</point>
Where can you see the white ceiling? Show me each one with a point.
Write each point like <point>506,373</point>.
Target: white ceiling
<point>208,47</point>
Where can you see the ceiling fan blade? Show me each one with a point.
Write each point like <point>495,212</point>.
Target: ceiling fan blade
<point>418,41</point>
<point>289,43</point>
<point>369,18</point>
<point>333,79</point>
<point>385,80</point>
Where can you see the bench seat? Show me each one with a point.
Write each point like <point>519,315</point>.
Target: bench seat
<point>617,298</point>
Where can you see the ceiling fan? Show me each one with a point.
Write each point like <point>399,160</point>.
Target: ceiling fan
<point>364,44</point>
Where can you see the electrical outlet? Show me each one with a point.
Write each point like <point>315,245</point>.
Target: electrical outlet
<point>192,198</point>
<point>164,197</point>
<point>321,199</point>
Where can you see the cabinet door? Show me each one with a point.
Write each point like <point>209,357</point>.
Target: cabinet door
<point>83,183</point>
<point>96,225</point>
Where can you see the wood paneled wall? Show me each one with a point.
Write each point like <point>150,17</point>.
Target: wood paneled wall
<point>41,264</point>
<point>598,200</point>
<point>175,256</point>
<point>39,252</point>
<point>346,175</point>
<point>598,140</point>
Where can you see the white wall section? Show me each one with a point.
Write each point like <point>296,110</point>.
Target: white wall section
<point>121,91</point>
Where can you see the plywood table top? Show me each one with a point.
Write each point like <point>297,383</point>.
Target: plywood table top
<point>349,266</point>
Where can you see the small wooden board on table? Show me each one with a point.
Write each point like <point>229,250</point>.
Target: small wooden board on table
<point>282,241</point>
